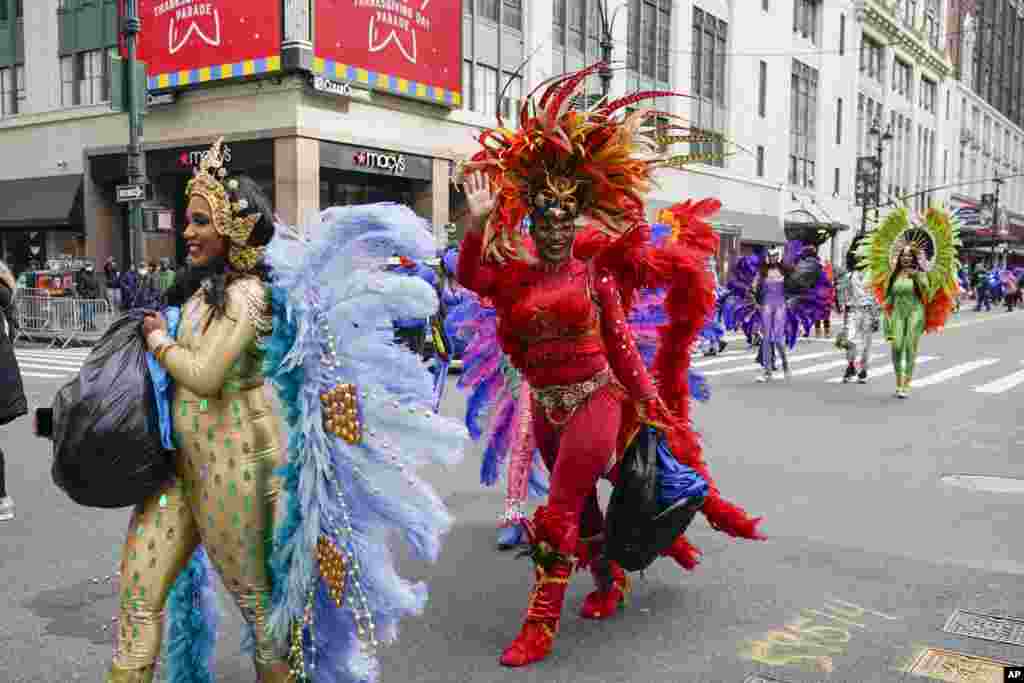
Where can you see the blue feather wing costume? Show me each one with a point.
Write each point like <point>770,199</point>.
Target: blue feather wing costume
<point>337,594</point>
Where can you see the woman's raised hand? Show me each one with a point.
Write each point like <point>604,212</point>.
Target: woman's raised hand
<point>480,198</point>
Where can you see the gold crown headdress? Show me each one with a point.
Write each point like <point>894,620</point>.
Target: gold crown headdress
<point>229,217</point>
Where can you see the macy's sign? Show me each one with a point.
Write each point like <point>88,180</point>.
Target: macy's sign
<point>193,159</point>
<point>393,163</point>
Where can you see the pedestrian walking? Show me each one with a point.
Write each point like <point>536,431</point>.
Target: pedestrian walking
<point>12,393</point>
<point>860,318</point>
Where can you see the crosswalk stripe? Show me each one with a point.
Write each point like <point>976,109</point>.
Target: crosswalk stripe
<point>827,366</point>
<point>887,370</point>
<point>955,371</point>
<point>726,357</point>
<point>40,375</point>
<point>49,356</point>
<point>51,367</point>
<point>755,366</point>
<point>49,359</point>
<point>1001,385</point>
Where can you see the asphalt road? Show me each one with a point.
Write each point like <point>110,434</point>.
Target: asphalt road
<point>869,552</point>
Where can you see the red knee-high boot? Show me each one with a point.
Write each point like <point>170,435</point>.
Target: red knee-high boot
<point>552,537</point>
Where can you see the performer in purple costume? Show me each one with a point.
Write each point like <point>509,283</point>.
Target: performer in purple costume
<point>770,291</point>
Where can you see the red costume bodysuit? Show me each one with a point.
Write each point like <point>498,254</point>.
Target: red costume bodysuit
<point>565,329</point>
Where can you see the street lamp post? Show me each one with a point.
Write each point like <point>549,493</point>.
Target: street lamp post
<point>607,22</point>
<point>883,138</point>
<point>995,220</point>
<point>874,132</point>
<point>136,161</point>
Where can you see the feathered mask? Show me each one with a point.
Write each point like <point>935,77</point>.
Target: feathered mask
<point>563,163</point>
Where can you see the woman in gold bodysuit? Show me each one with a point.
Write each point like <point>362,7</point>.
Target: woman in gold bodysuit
<point>227,437</point>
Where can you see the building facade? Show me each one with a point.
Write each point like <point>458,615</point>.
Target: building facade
<point>986,46</point>
<point>903,94</point>
<point>778,78</point>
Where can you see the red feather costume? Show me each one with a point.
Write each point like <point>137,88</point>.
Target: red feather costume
<point>564,327</point>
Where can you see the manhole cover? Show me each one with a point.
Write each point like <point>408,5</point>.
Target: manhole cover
<point>955,667</point>
<point>979,482</point>
<point>986,627</point>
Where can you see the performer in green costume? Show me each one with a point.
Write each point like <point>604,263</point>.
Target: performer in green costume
<point>905,298</point>
<point>913,270</point>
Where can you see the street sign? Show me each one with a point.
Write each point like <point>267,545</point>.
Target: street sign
<point>160,99</point>
<point>131,193</point>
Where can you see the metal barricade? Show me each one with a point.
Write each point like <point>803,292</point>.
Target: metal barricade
<point>33,316</point>
<point>59,320</point>
<point>74,320</point>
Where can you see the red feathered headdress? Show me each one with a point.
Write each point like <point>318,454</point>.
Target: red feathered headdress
<point>607,160</point>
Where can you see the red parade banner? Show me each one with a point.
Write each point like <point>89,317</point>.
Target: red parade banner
<point>411,48</point>
<point>184,42</point>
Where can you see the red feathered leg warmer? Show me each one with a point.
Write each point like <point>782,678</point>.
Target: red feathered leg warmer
<point>553,537</point>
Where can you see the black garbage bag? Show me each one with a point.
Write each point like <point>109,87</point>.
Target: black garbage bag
<point>653,502</point>
<point>107,448</point>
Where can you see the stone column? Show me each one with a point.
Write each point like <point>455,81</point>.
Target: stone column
<point>42,63</point>
<point>296,178</point>
<point>618,12</point>
<point>539,37</point>
<point>441,188</point>
<point>297,46</point>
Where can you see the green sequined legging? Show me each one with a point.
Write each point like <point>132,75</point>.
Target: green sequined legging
<point>223,497</point>
<point>905,330</point>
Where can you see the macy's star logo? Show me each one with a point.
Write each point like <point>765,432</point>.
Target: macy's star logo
<point>409,52</point>
<point>194,15</point>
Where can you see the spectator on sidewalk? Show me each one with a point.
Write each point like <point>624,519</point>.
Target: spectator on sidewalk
<point>88,294</point>
<point>129,286</point>
<point>12,393</point>
<point>166,278</point>
<point>113,278</point>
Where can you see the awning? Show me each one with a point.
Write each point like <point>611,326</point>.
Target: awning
<point>51,202</point>
<point>754,228</point>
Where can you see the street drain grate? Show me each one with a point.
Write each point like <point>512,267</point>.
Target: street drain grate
<point>955,667</point>
<point>980,482</point>
<point>755,678</point>
<point>986,627</point>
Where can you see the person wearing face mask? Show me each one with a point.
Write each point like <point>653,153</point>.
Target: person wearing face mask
<point>917,293</point>
<point>89,290</point>
<point>129,286</point>
<point>562,302</point>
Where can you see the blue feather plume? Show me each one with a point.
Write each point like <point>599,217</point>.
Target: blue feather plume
<point>190,627</point>
<point>331,280</point>
<point>497,445</point>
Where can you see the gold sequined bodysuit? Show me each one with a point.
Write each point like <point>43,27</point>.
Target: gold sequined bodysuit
<point>228,442</point>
